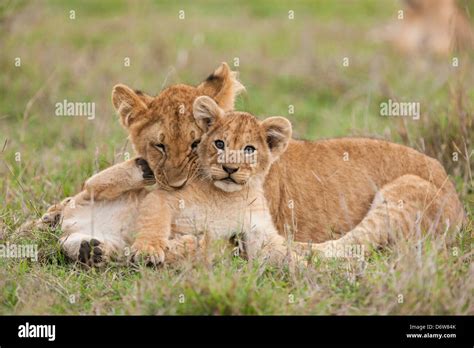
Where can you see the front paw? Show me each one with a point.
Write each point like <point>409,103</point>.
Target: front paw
<point>147,173</point>
<point>181,247</point>
<point>148,253</point>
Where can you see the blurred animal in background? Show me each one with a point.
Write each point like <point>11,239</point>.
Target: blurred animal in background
<point>430,26</point>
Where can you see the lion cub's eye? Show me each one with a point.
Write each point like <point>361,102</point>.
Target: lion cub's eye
<point>195,144</point>
<point>219,144</point>
<point>249,149</point>
<point>160,147</point>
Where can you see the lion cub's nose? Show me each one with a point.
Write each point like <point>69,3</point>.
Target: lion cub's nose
<point>229,170</point>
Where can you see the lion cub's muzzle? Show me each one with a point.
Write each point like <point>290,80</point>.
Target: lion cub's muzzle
<point>177,179</point>
<point>179,183</point>
<point>231,174</point>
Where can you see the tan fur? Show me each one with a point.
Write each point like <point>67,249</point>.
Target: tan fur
<point>220,203</point>
<point>106,211</point>
<point>167,120</point>
<point>369,192</point>
<point>333,192</point>
<point>361,189</point>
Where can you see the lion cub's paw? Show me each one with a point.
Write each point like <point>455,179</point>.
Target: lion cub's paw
<point>149,253</point>
<point>92,253</point>
<point>53,215</point>
<point>181,247</point>
<point>51,218</point>
<point>147,173</point>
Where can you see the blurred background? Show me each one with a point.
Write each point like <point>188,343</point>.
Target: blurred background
<point>326,65</point>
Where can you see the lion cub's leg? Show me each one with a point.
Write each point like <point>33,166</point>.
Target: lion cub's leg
<point>123,177</point>
<point>153,229</point>
<point>95,232</point>
<point>105,185</point>
<point>406,207</point>
<point>181,247</point>
<point>261,239</point>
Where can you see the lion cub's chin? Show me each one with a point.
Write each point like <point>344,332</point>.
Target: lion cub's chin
<point>227,186</point>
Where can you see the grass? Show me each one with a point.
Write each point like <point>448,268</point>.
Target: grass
<point>282,62</point>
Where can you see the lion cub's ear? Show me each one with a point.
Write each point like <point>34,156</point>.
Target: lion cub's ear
<point>223,86</point>
<point>278,132</point>
<point>206,112</point>
<point>129,105</point>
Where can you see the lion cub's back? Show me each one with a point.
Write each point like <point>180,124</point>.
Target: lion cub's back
<point>347,159</point>
<point>330,184</point>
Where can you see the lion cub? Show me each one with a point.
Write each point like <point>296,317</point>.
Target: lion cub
<point>226,197</point>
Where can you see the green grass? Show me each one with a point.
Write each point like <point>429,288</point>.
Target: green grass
<point>398,281</point>
<point>282,62</point>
